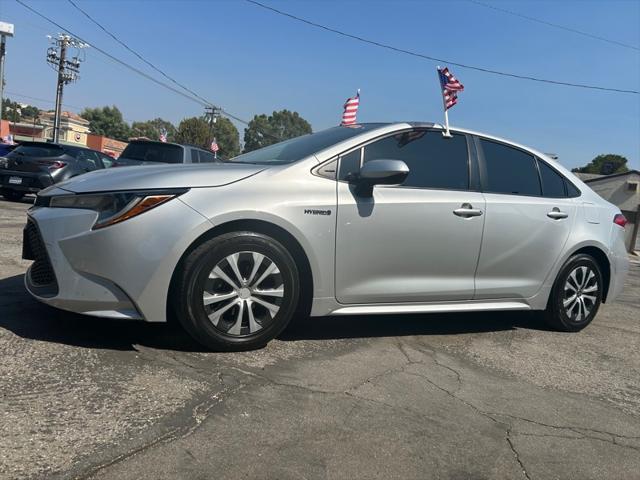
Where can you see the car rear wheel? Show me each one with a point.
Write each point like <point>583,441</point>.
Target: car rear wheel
<point>237,291</point>
<point>576,294</point>
<point>12,195</point>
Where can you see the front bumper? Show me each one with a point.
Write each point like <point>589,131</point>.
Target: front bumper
<point>121,271</point>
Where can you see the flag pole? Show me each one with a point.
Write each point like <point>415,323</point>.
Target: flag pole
<point>444,106</point>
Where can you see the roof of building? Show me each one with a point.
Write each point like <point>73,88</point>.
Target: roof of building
<point>69,115</point>
<point>585,177</point>
<point>614,175</point>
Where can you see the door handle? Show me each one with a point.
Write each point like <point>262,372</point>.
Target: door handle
<point>467,210</point>
<point>556,214</point>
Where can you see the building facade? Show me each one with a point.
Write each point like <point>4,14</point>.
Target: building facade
<point>105,144</point>
<point>73,128</point>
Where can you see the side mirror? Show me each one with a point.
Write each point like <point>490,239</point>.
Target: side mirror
<point>380,172</point>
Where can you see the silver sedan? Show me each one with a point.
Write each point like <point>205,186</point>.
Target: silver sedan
<point>366,219</point>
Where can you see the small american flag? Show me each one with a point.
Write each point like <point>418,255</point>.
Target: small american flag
<point>214,146</point>
<point>163,135</point>
<point>350,110</point>
<point>450,87</point>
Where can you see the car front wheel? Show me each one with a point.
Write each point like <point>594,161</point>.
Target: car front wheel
<point>238,291</point>
<point>576,294</point>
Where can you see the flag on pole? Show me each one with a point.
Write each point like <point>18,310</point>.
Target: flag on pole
<point>163,135</point>
<point>450,87</point>
<point>214,146</point>
<point>351,110</point>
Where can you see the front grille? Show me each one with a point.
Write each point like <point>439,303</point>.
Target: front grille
<point>41,273</point>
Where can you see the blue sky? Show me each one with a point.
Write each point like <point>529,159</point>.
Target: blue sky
<point>252,61</point>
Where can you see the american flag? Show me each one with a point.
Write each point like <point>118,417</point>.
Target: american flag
<point>450,87</point>
<point>350,110</point>
<point>163,135</point>
<point>214,146</point>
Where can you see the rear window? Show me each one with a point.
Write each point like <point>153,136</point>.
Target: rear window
<point>153,152</point>
<point>37,151</point>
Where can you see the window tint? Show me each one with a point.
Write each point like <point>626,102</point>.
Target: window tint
<point>195,156</point>
<point>153,152</point>
<point>206,157</point>
<point>509,170</point>
<point>433,160</point>
<point>35,150</point>
<point>303,146</point>
<point>87,159</point>
<point>572,191</point>
<point>552,181</point>
<point>107,161</point>
<point>349,163</point>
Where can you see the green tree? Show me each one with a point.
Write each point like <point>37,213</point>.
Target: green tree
<point>605,164</point>
<point>107,121</point>
<point>30,112</point>
<point>266,130</point>
<point>194,131</point>
<point>151,129</point>
<point>10,111</point>
<point>227,137</point>
<point>197,131</point>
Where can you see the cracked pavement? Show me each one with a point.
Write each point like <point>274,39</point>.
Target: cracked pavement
<point>493,395</point>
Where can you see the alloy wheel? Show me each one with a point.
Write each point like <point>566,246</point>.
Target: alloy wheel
<point>580,293</point>
<point>243,293</point>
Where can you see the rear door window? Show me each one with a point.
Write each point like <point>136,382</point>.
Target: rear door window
<point>509,170</point>
<point>552,181</point>
<point>195,156</point>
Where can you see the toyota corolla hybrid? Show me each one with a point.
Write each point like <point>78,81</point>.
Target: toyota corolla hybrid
<point>366,219</point>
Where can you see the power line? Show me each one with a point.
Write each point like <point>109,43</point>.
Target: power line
<point>15,94</point>
<point>105,30</point>
<point>427,57</point>
<point>555,25</point>
<point>195,98</point>
<point>115,59</point>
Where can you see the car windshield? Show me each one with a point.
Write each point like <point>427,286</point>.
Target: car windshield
<point>36,150</point>
<point>153,152</point>
<point>300,147</point>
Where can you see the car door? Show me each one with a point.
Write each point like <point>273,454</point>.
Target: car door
<point>412,242</point>
<point>528,220</point>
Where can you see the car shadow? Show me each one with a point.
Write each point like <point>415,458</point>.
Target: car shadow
<point>27,200</point>
<point>27,318</point>
<point>30,319</point>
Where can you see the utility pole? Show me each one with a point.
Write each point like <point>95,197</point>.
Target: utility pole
<point>211,114</point>
<point>67,72</point>
<point>6,30</point>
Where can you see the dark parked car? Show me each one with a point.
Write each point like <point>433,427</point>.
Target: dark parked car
<point>148,152</point>
<point>32,166</point>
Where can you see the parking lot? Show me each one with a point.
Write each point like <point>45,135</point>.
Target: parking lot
<point>491,395</point>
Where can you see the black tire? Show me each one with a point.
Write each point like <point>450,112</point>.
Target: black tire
<point>194,278</point>
<point>569,316</point>
<point>12,195</point>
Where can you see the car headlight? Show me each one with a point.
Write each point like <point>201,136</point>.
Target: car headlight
<point>113,207</point>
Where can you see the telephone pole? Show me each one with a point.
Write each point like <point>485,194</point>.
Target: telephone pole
<point>67,71</point>
<point>211,114</point>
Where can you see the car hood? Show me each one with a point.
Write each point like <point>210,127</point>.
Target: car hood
<point>160,176</point>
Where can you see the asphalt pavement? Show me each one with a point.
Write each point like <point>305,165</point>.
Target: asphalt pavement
<point>490,395</point>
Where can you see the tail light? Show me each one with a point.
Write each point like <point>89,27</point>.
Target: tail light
<point>52,165</point>
<point>620,220</point>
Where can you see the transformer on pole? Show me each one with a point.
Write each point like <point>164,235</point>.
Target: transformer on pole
<point>68,71</point>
